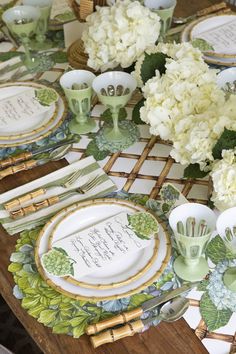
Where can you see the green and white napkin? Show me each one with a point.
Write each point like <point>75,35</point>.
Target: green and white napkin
<point>90,168</point>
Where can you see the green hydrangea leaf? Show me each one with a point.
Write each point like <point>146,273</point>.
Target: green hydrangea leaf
<point>47,316</point>
<point>226,141</point>
<point>214,318</point>
<point>93,150</point>
<point>35,311</point>
<point>14,267</point>
<point>78,331</point>
<point>76,321</point>
<point>59,57</point>
<point>193,171</point>
<point>136,112</point>
<point>137,299</point>
<point>140,199</point>
<point>55,301</point>
<point>61,328</point>
<point>29,302</point>
<point>106,116</point>
<point>202,286</point>
<point>202,44</point>
<point>23,283</point>
<point>151,63</point>
<point>216,250</point>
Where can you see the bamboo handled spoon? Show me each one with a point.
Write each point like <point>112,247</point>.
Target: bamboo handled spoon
<point>171,311</point>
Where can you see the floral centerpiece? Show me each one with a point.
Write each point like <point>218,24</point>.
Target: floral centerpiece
<point>183,103</point>
<point>119,34</point>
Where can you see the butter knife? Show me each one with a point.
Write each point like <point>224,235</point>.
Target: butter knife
<point>146,306</point>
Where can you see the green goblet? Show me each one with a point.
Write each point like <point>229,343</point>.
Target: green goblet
<point>114,89</point>
<point>165,9</point>
<point>192,224</point>
<point>77,85</point>
<point>226,228</point>
<point>22,22</point>
<point>45,7</point>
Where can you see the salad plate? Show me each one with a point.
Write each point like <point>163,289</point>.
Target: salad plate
<point>185,37</point>
<point>219,32</point>
<point>33,123</point>
<point>130,274</point>
<point>122,272</point>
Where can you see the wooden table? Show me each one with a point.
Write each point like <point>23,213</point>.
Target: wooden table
<point>175,338</point>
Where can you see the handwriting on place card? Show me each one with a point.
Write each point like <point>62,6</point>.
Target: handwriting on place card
<point>20,107</point>
<point>101,244</point>
<point>222,38</point>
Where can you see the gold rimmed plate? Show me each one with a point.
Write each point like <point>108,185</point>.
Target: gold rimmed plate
<point>27,125</point>
<point>119,273</point>
<point>21,134</point>
<point>185,37</point>
<point>212,29</point>
<point>113,206</point>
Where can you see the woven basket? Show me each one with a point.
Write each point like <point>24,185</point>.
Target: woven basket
<point>77,58</point>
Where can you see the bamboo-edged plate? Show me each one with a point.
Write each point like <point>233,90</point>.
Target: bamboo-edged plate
<point>38,127</point>
<point>185,37</point>
<point>97,292</point>
<point>202,26</point>
<point>120,273</point>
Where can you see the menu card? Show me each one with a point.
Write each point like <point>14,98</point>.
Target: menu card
<point>20,107</point>
<point>95,247</point>
<point>222,38</point>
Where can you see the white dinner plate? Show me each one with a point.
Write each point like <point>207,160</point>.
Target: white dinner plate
<point>185,37</point>
<point>101,209</point>
<point>202,26</point>
<point>120,273</point>
<point>27,125</point>
<point>35,129</point>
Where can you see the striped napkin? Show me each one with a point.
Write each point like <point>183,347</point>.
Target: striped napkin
<point>90,168</point>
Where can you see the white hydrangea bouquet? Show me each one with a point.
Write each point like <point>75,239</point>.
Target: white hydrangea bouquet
<point>119,34</point>
<point>183,103</point>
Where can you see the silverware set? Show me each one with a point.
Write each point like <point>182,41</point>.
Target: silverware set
<point>32,208</point>
<point>22,162</point>
<point>173,307</point>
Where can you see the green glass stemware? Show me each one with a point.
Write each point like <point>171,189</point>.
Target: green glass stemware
<point>22,23</point>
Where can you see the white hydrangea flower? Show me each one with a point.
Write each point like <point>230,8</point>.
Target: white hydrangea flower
<point>224,180</point>
<point>174,51</point>
<point>119,34</point>
<point>187,88</point>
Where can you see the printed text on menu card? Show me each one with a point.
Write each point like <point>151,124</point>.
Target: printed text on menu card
<point>101,244</point>
<point>20,107</point>
<point>222,38</point>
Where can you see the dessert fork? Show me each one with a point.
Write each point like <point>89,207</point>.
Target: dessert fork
<point>86,187</point>
<point>65,183</point>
